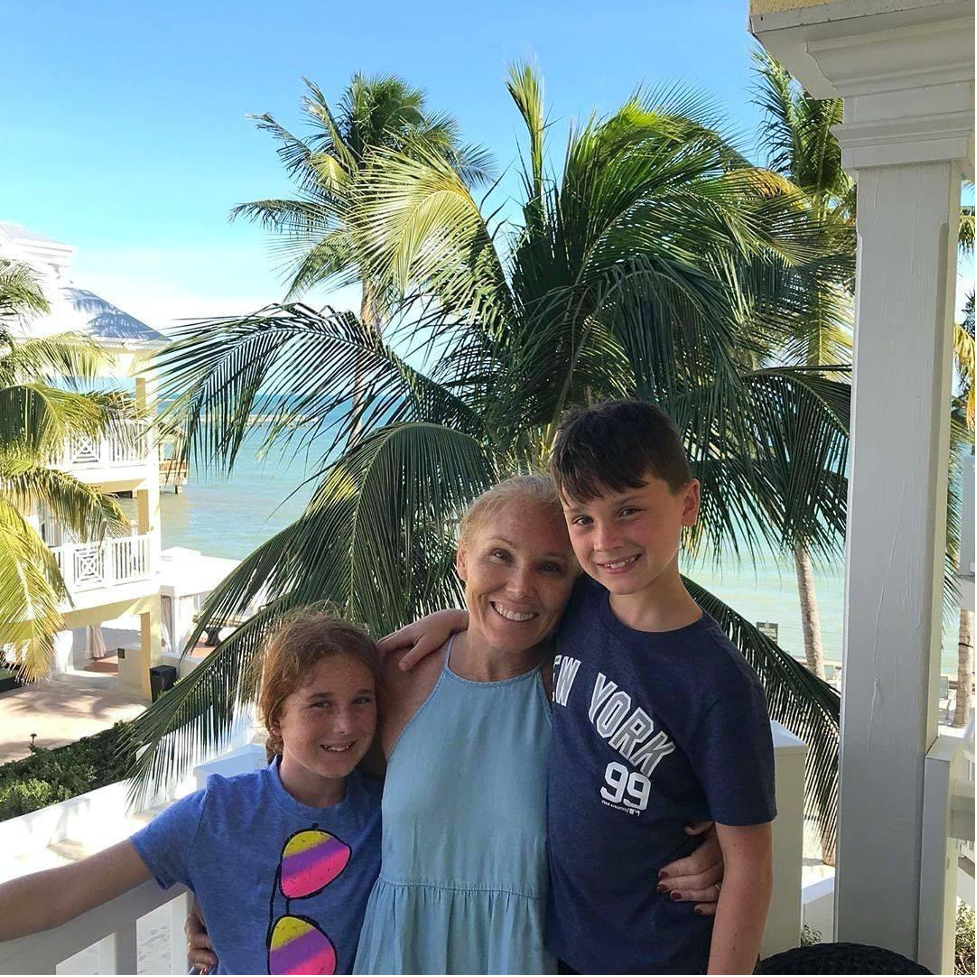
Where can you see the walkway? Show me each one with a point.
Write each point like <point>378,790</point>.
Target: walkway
<point>62,710</point>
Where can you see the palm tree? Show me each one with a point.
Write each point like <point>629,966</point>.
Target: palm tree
<point>963,410</point>
<point>373,112</point>
<point>621,279</point>
<point>36,420</point>
<point>810,297</point>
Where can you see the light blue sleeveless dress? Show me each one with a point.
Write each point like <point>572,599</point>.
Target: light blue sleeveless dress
<point>464,876</point>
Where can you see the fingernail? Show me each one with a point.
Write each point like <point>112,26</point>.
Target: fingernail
<point>697,911</point>
<point>676,896</point>
<point>661,888</point>
<point>663,874</point>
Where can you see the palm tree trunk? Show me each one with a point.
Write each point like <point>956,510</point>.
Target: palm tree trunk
<point>368,318</point>
<point>810,622</point>
<point>965,667</point>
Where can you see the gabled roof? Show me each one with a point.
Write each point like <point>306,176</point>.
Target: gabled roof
<point>104,321</point>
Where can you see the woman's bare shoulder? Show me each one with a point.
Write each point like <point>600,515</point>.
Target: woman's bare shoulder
<point>403,693</point>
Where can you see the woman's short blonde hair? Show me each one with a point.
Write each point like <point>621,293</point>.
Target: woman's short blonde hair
<point>536,488</point>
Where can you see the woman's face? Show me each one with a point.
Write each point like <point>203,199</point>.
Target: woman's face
<point>518,570</point>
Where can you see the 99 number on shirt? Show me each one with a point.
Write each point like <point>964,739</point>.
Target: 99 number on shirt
<point>627,787</point>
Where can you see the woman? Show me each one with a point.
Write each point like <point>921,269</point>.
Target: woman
<point>466,735</point>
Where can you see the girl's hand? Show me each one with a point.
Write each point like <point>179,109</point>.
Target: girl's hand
<point>697,877</point>
<point>200,951</point>
<point>423,637</point>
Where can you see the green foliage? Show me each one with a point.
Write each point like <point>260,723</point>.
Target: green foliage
<point>51,776</point>
<point>809,936</point>
<point>963,962</point>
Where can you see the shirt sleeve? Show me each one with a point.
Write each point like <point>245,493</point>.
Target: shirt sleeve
<point>166,843</point>
<point>732,755</point>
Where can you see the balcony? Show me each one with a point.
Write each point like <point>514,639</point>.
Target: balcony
<point>90,566</point>
<point>112,451</point>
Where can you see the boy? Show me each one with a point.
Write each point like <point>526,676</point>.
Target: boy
<point>657,719</point>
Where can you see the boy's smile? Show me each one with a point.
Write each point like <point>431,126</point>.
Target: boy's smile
<point>629,540</point>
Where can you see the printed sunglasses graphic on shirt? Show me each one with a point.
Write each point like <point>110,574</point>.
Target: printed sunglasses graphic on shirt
<point>311,860</point>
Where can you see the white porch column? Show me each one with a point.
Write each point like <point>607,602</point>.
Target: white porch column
<point>896,542</point>
<point>905,69</point>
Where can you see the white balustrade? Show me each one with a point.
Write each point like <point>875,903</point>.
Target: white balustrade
<point>106,452</point>
<point>87,566</point>
<point>111,927</point>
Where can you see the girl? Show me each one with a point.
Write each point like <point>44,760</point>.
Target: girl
<point>282,860</point>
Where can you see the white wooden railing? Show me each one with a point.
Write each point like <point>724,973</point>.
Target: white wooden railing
<point>948,830</point>
<point>100,818</point>
<point>88,566</point>
<point>106,452</point>
<point>110,927</point>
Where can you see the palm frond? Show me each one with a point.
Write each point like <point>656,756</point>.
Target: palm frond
<point>40,419</point>
<point>30,591</point>
<point>21,295</point>
<point>303,376</point>
<point>802,702</point>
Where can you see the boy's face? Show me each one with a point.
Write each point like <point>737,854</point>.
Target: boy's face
<point>327,725</point>
<point>628,540</point>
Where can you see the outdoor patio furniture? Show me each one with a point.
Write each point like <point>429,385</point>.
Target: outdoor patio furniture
<point>9,677</point>
<point>839,958</point>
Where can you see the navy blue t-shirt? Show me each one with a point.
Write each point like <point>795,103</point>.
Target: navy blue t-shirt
<point>650,731</point>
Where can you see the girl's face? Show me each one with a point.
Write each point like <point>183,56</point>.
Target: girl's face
<point>328,724</point>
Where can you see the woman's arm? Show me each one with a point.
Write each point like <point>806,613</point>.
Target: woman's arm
<point>744,898</point>
<point>47,899</point>
<point>200,951</point>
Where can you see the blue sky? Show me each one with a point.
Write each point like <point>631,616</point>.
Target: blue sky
<point>124,128</point>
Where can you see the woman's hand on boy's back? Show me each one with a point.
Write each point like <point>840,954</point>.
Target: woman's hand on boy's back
<point>697,877</point>
<point>200,951</point>
<point>423,637</point>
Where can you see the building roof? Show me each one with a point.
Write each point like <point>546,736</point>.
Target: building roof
<point>106,322</point>
<point>73,308</point>
<point>17,232</point>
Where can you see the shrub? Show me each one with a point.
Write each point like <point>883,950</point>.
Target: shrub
<point>964,952</point>
<point>51,776</point>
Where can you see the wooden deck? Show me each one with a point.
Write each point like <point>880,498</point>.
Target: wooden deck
<point>174,473</point>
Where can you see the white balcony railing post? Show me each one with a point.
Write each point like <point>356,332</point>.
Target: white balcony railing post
<point>948,819</point>
<point>111,927</point>
<point>88,566</point>
<point>118,953</point>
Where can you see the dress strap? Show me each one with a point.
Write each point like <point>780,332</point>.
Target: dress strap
<point>447,654</point>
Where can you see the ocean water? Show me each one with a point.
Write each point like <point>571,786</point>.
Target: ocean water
<point>230,517</point>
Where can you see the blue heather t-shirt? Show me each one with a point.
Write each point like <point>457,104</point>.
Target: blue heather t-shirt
<point>283,886</point>
<point>650,731</point>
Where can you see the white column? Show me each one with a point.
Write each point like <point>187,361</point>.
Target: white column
<point>907,220</point>
<point>907,139</point>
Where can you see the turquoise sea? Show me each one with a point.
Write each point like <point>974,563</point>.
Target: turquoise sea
<point>230,517</point>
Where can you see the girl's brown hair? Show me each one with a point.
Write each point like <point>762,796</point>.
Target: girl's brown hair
<point>303,640</point>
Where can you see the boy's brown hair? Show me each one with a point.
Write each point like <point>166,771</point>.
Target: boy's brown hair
<point>616,445</point>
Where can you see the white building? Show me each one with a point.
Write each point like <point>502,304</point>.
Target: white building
<point>122,576</point>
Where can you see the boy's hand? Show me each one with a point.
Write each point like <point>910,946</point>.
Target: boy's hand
<point>697,877</point>
<point>200,951</point>
<point>423,637</point>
